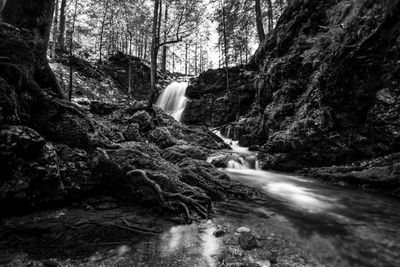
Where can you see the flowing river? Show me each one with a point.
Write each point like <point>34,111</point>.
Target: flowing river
<point>303,222</point>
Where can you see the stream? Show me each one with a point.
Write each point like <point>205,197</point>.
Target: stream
<point>301,222</point>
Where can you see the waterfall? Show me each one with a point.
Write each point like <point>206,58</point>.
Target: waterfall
<point>173,99</point>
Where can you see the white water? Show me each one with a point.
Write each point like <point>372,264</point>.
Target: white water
<point>288,188</point>
<point>173,100</point>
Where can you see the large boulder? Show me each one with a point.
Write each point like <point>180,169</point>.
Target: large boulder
<point>30,170</point>
<point>177,153</point>
<point>380,174</point>
<point>143,119</point>
<point>162,137</point>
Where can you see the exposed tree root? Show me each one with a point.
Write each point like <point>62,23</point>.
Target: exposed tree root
<point>135,174</point>
<point>171,201</point>
<point>201,210</point>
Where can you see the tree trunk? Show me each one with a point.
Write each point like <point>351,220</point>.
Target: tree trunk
<point>130,66</point>
<point>36,17</point>
<point>164,54</point>
<point>260,27</point>
<point>154,53</point>
<point>102,30</point>
<point>195,60</point>
<point>225,48</point>
<point>71,41</point>
<point>270,16</point>
<point>145,48</point>
<point>173,59</point>
<point>61,36</point>
<point>55,24</point>
<point>186,58</point>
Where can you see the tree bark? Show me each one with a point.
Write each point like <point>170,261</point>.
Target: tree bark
<point>260,26</point>
<point>61,36</point>
<point>71,42</point>
<point>36,17</point>
<point>130,66</point>
<point>164,54</point>
<point>186,58</point>
<point>154,52</point>
<point>102,30</point>
<point>55,24</point>
<point>270,16</point>
<point>225,48</point>
<point>2,4</point>
<point>195,59</point>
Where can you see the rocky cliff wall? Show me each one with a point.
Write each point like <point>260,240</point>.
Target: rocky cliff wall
<point>327,86</point>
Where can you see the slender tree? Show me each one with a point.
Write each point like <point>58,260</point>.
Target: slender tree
<point>130,65</point>
<point>164,53</point>
<point>103,22</point>
<point>61,34</point>
<point>154,51</point>
<point>71,48</point>
<point>270,16</point>
<point>55,24</point>
<point>225,46</point>
<point>259,20</point>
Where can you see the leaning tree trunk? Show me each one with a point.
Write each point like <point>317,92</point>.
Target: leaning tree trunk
<point>35,17</point>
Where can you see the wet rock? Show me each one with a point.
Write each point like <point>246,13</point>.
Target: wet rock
<point>143,119</point>
<point>278,161</point>
<point>102,108</point>
<point>380,174</point>
<point>231,240</point>
<point>248,241</point>
<point>221,231</point>
<point>162,137</point>
<point>132,133</point>
<point>8,103</point>
<point>75,170</point>
<point>386,96</point>
<point>21,140</point>
<point>50,263</point>
<point>246,140</point>
<point>30,170</point>
<point>254,148</point>
<point>243,230</point>
<point>177,153</point>
<point>220,160</point>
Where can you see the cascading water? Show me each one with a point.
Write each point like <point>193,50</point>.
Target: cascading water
<point>246,158</point>
<point>173,100</point>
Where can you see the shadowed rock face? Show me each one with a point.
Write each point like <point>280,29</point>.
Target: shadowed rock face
<point>331,68</point>
<point>212,104</point>
<point>326,91</point>
<point>327,87</point>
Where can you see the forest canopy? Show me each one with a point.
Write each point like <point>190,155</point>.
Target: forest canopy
<point>191,32</point>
